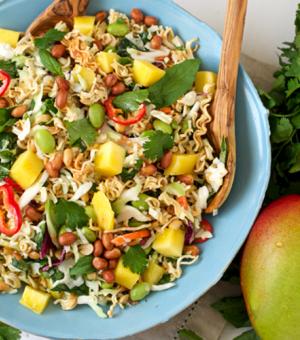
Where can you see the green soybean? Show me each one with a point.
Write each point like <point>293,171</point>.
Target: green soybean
<point>96,115</point>
<point>141,204</point>
<point>44,140</point>
<point>106,285</point>
<point>90,211</point>
<point>118,29</point>
<point>89,234</point>
<point>140,291</point>
<point>163,127</point>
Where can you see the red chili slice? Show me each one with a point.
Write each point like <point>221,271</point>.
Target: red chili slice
<point>4,82</point>
<point>206,226</point>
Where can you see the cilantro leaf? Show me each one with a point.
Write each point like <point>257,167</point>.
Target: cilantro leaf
<point>233,310</point>
<point>128,173</point>
<point>69,214</point>
<point>135,259</point>
<point>48,106</point>
<point>176,82</point>
<point>81,130</point>
<point>50,37</point>
<point>50,63</point>
<point>9,67</point>
<point>81,290</point>
<point>249,335</point>
<point>9,333</point>
<point>187,334</point>
<point>281,129</point>
<point>8,144</point>
<point>156,144</point>
<point>130,101</point>
<point>83,266</point>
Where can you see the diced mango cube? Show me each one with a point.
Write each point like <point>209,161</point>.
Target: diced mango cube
<point>170,242</point>
<point>206,77</point>
<point>124,276</point>
<point>104,213</point>
<point>84,24</point>
<point>35,300</point>
<point>85,76</point>
<point>9,37</point>
<point>109,159</point>
<point>26,169</point>
<point>153,273</point>
<point>105,60</point>
<point>182,164</point>
<point>145,73</point>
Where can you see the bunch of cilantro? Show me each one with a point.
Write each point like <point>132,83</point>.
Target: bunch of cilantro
<point>283,102</point>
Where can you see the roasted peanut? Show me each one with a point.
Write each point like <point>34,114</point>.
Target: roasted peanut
<point>112,264</point>
<point>99,44</point>
<point>119,88</point>
<point>166,160</point>
<point>67,238</point>
<point>98,248</point>
<point>34,255</point>
<point>186,179</point>
<point>112,254</point>
<point>19,111</point>
<point>150,21</point>
<point>3,103</point>
<point>68,157</point>
<point>111,80</point>
<point>62,83</point>
<point>106,240</point>
<point>156,42</point>
<point>108,276</point>
<point>148,170</point>
<point>61,99</point>
<point>191,250</point>
<point>3,286</point>
<point>99,263</point>
<point>58,50</point>
<point>32,214</point>
<point>53,173</point>
<point>57,161</point>
<point>101,16</point>
<point>137,15</point>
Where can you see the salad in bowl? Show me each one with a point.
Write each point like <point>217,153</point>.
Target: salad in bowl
<point>105,163</point>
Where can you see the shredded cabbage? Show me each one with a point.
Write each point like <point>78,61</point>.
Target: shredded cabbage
<point>129,212</point>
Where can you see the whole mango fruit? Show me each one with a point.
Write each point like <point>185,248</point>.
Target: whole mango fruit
<point>270,271</point>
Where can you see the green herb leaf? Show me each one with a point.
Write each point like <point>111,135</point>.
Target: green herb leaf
<point>156,144</point>
<point>81,130</point>
<point>48,106</point>
<point>281,129</point>
<point>130,101</point>
<point>83,266</point>
<point>50,37</point>
<point>123,45</point>
<point>176,82</point>
<point>9,67</point>
<point>8,144</point>
<point>249,335</point>
<point>21,264</point>
<point>233,310</point>
<point>50,63</point>
<point>81,290</point>
<point>129,173</point>
<point>186,334</point>
<point>224,151</point>
<point>135,259</point>
<point>9,333</point>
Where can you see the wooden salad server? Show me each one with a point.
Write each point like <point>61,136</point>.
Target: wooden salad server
<point>223,107</point>
<point>59,10</point>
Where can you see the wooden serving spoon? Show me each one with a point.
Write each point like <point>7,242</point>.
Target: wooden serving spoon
<point>223,107</point>
<point>59,10</point>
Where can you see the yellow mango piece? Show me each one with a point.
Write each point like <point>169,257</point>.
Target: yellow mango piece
<point>182,164</point>
<point>206,77</point>
<point>9,37</point>
<point>84,24</point>
<point>170,242</point>
<point>35,300</point>
<point>145,73</point>
<point>85,76</point>
<point>124,276</point>
<point>56,295</point>
<point>26,169</point>
<point>109,159</point>
<point>153,273</point>
<point>105,60</point>
<point>104,213</point>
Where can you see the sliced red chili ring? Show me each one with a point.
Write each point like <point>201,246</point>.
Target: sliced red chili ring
<point>4,82</point>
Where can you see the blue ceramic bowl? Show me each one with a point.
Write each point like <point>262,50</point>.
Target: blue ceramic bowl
<point>231,225</point>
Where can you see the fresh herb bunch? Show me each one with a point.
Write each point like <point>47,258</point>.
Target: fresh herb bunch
<point>283,102</point>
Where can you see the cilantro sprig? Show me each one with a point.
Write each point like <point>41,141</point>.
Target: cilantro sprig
<point>156,144</point>
<point>81,130</point>
<point>135,259</point>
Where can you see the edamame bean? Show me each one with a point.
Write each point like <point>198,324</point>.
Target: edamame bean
<point>90,211</point>
<point>118,28</point>
<point>106,285</point>
<point>139,291</point>
<point>141,204</point>
<point>96,115</point>
<point>44,140</point>
<point>163,127</point>
<point>89,234</point>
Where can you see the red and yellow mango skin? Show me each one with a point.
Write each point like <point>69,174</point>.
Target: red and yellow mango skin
<point>270,271</point>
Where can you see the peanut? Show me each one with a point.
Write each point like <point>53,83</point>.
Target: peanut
<point>156,42</point>
<point>98,248</point>
<point>106,240</point>
<point>99,263</point>
<point>57,161</point>
<point>3,103</point>
<point>3,286</point>
<point>61,99</point>
<point>112,264</point>
<point>186,179</point>
<point>58,51</point>
<point>19,111</point>
<point>112,254</point>
<point>62,83</point>
<point>166,160</point>
<point>150,21</point>
<point>68,157</point>
<point>137,15</point>
<point>191,250</point>
<point>108,276</point>
<point>118,88</point>
<point>99,44</point>
<point>67,238</point>
<point>32,214</point>
<point>111,80</point>
<point>34,255</point>
<point>148,170</point>
<point>53,173</point>
<point>101,16</point>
